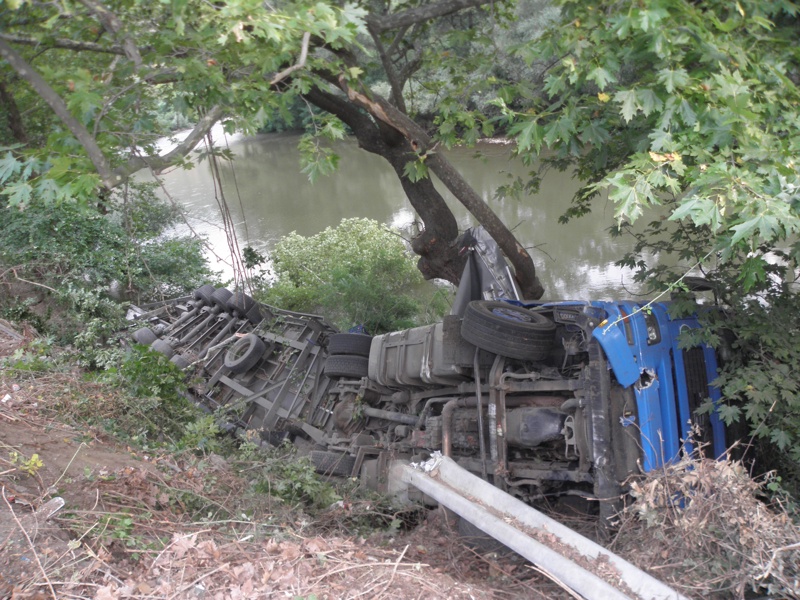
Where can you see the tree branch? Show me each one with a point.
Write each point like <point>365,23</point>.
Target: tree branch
<point>59,107</point>
<point>300,63</point>
<point>421,13</point>
<point>113,25</point>
<point>157,163</point>
<point>391,74</point>
<point>62,44</point>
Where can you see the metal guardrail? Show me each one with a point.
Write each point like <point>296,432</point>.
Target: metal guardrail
<point>568,557</point>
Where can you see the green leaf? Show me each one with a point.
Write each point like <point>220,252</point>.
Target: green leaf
<point>745,229</point>
<point>416,170</point>
<point>529,133</point>
<point>780,438</point>
<point>9,166</point>
<point>687,113</point>
<point>648,101</point>
<point>729,414</point>
<point>601,77</point>
<point>627,98</point>
<point>19,194</point>
<point>673,79</point>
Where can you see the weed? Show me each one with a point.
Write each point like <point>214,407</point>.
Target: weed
<point>30,465</point>
<point>293,479</point>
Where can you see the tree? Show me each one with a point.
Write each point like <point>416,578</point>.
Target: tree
<point>693,106</point>
<point>101,69</point>
<point>689,113</point>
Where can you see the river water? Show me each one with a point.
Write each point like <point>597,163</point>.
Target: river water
<point>268,197</point>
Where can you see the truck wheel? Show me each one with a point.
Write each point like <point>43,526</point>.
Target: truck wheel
<point>179,361</point>
<point>220,298</point>
<point>163,347</point>
<point>508,330</point>
<point>349,343</point>
<point>344,365</point>
<point>254,315</point>
<point>239,303</point>
<point>333,463</point>
<point>244,354</point>
<point>204,293</point>
<point>145,336</point>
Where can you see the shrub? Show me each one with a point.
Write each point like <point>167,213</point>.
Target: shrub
<point>359,273</point>
<point>123,245</point>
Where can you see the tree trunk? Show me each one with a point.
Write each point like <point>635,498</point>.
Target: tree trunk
<point>13,116</point>
<point>389,117</point>
<point>436,245</point>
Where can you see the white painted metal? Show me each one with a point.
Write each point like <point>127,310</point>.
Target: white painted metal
<point>505,518</point>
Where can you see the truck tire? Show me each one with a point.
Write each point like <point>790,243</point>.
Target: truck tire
<point>179,361</point>
<point>220,298</point>
<point>508,330</point>
<point>239,303</point>
<point>244,354</point>
<point>163,347</point>
<point>254,315</point>
<point>145,336</point>
<point>349,343</point>
<point>333,463</point>
<point>346,365</point>
<point>204,293</point>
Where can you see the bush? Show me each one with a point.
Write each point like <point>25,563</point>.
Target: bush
<point>122,246</point>
<point>358,273</point>
<point>153,407</point>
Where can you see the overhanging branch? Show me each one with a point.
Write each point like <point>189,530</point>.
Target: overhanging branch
<point>421,13</point>
<point>157,163</point>
<point>59,107</point>
<point>62,44</point>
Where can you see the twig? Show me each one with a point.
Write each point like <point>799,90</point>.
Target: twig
<point>300,63</point>
<point>555,580</point>
<point>33,282</point>
<point>30,543</point>
<point>198,580</point>
<point>68,465</point>
<point>394,572</point>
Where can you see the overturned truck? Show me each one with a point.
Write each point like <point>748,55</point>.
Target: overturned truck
<point>543,400</point>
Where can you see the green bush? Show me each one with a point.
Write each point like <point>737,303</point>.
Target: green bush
<point>153,407</point>
<point>121,246</point>
<point>358,273</point>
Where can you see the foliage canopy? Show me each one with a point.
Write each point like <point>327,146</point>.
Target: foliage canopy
<point>691,106</point>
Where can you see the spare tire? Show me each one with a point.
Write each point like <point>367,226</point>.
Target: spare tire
<point>145,336</point>
<point>244,354</point>
<point>349,343</point>
<point>345,365</point>
<point>239,303</point>
<point>163,347</point>
<point>204,294</point>
<point>508,330</point>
